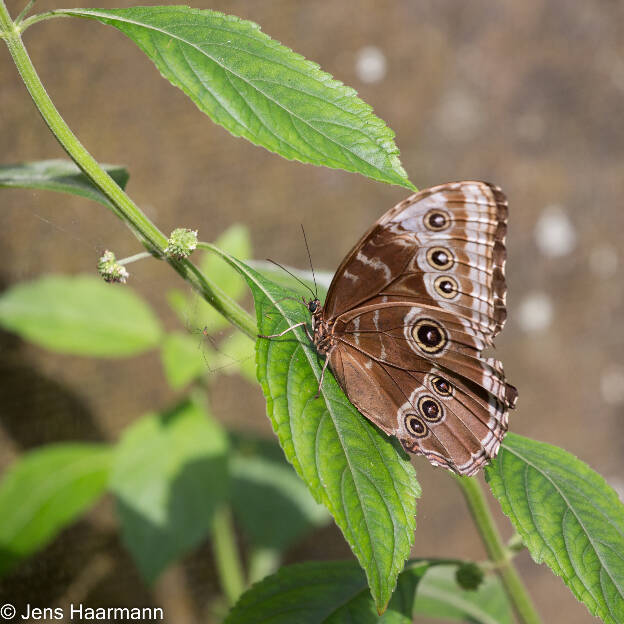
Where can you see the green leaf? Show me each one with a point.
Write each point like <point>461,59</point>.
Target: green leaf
<point>568,517</point>
<point>235,241</point>
<point>439,596</point>
<point>59,175</point>
<point>330,592</point>
<point>179,303</point>
<point>44,491</point>
<point>80,315</point>
<point>281,277</point>
<point>334,592</point>
<point>270,502</point>
<point>184,358</point>
<point>362,476</point>
<point>258,89</point>
<point>169,474</point>
<point>237,355</point>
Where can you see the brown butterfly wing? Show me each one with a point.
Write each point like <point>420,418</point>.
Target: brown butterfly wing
<point>418,374</point>
<point>417,300</point>
<point>403,335</point>
<point>452,421</point>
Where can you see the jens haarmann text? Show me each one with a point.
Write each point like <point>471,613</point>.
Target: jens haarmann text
<point>80,613</point>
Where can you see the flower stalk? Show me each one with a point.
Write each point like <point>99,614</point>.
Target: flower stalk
<point>499,555</point>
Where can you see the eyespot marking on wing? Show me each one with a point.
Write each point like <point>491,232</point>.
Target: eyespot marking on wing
<point>430,336</point>
<point>440,258</point>
<point>446,286</point>
<point>430,409</point>
<point>441,386</point>
<point>437,220</point>
<point>415,425</point>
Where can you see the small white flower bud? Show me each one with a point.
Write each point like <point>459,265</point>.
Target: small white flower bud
<point>110,269</point>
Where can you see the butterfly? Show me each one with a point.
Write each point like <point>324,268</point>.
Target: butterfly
<point>406,318</point>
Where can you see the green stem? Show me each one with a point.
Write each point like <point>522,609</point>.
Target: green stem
<point>24,11</point>
<point>151,237</point>
<point>226,554</point>
<point>262,562</point>
<point>138,256</point>
<point>497,551</point>
<point>23,24</point>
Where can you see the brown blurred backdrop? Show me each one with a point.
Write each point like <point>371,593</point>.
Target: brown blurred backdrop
<point>525,94</point>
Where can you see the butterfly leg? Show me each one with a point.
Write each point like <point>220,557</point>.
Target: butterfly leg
<point>318,392</point>
<point>308,334</point>
<point>286,331</point>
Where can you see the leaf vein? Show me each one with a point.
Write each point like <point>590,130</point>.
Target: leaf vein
<point>167,34</point>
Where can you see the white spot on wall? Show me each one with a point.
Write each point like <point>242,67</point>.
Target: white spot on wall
<point>612,385</point>
<point>535,312</point>
<point>370,64</point>
<point>555,235</point>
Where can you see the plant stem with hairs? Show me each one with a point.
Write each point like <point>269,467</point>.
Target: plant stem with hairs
<point>499,555</point>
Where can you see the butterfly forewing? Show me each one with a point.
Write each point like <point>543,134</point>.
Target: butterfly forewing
<point>444,245</point>
<point>409,312</point>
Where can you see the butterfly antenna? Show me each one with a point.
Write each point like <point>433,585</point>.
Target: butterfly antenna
<point>305,240</point>
<point>292,275</point>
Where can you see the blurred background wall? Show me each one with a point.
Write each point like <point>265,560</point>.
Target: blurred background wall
<point>525,94</point>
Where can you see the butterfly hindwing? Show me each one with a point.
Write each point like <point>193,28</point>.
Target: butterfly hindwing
<point>454,423</point>
<point>402,335</point>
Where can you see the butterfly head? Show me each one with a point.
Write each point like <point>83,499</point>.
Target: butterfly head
<point>314,305</point>
<point>316,310</point>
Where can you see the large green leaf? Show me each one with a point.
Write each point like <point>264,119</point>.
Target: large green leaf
<point>184,358</point>
<point>259,89</point>
<point>440,596</point>
<point>568,517</point>
<point>169,474</point>
<point>356,471</point>
<point>329,592</point>
<point>237,356</point>
<point>80,315</point>
<point>59,175</point>
<point>44,491</point>
<point>270,502</point>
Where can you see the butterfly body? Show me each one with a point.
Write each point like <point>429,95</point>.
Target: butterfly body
<point>407,316</point>
<point>321,331</point>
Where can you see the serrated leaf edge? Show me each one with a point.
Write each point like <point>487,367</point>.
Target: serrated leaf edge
<point>303,344</point>
<point>595,608</point>
<point>346,94</point>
